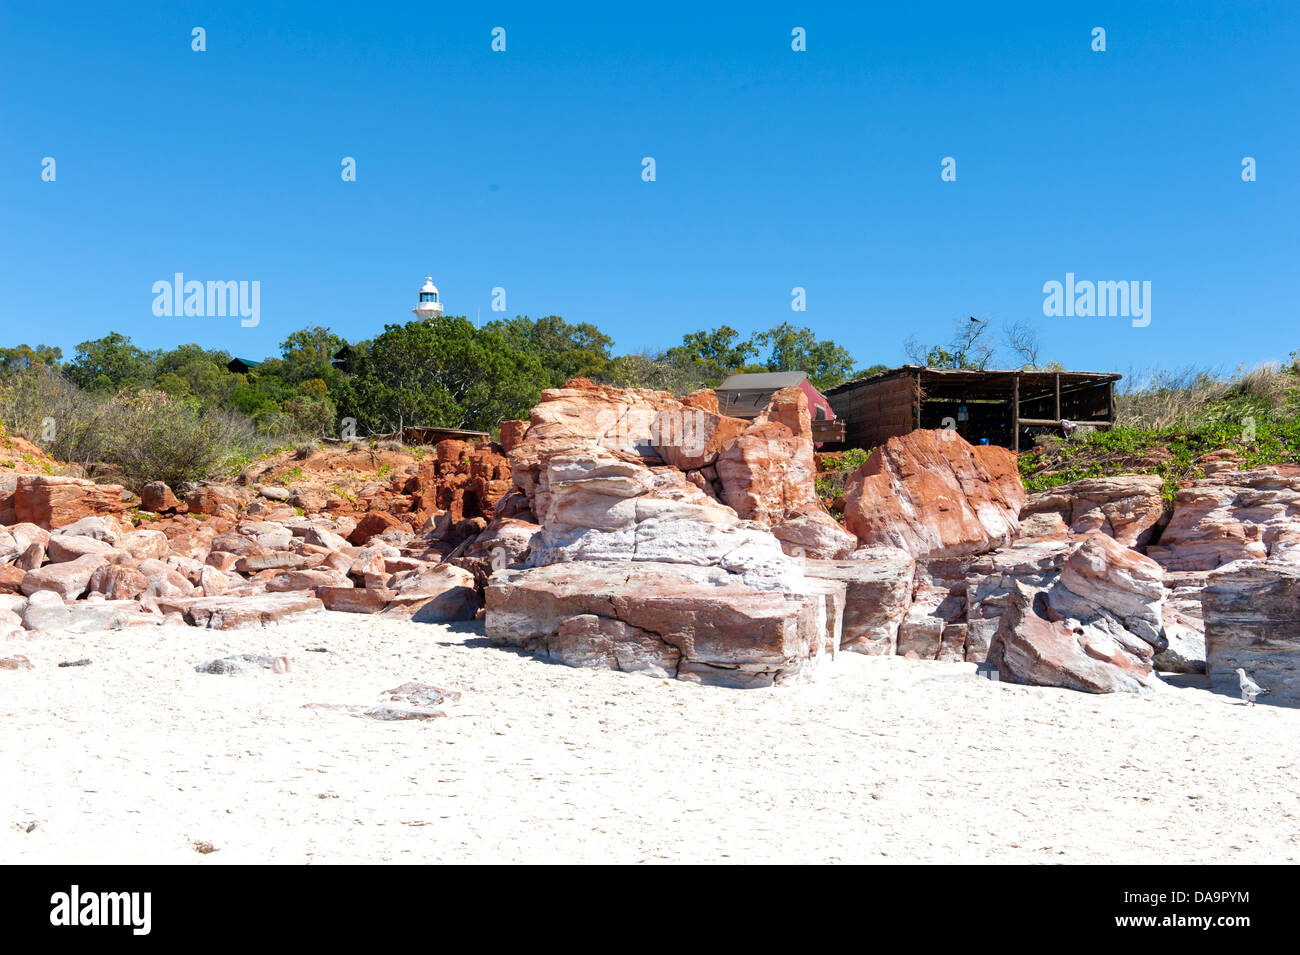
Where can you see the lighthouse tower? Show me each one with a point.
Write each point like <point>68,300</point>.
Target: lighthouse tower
<point>428,306</point>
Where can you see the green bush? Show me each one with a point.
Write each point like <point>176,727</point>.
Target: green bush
<point>133,437</point>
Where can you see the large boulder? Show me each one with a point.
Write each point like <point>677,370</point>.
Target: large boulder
<point>373,524</point>
<point>225,613</point>
<point>990,580</point>
<point>158,498</point>
<point>216,499</point>
<point>505,542</point>
<point>436,593</point>
<point>69,579</point>
<point>588,640</point>
<point>601,507</point>
<point>1252,621</point>
<point>1128,507</point>
<point>62,547</point>
<point>1096,627</point>
<point>52,501</point>
<point>584,417</point>
<point>105,529</point>
<point>84,616</point>
<point>1033,647</point>
<point>934,495</point>
<point>767,473</point>
<point>724,631</point>
<point>1184,624</point>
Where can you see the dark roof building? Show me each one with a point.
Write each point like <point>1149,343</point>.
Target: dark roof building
<point>746,395</point>
<point>1003,407</point>
<point>241,366</point>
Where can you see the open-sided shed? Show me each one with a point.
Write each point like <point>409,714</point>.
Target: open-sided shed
<point>1005,407</point>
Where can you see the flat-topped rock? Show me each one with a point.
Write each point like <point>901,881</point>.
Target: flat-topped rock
<point>723,630</point>
<point>224,613</point>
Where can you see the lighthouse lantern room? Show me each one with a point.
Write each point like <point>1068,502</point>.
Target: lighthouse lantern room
<point>428,306</point>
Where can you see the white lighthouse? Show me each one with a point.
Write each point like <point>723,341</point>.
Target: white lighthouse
<point>428,306</point>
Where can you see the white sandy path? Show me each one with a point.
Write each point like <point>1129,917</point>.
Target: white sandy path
<point>135,757</point>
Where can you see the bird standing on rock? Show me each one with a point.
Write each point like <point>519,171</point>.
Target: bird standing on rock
<point>1249,688</point>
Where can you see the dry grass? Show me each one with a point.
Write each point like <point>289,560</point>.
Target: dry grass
<point>1187,398</point>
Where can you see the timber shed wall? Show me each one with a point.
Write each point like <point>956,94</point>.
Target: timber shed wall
<point>878,410</point>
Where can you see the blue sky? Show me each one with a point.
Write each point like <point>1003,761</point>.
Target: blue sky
<point>775,169</point>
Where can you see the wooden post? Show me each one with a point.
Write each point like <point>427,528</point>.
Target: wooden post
<point>1058,396</point>
<point>916,400</point>
<point>1015,413</point>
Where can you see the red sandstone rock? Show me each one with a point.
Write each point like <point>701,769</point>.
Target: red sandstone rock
<point>1030,648</point>
<point>879,592</point>
<point>512,432</point>
<point>11,579</point>
<point>49,501</point>
<point>25,535</point>
<point>1251,514</point>
<point>726,632</point>
<point>215,499</point>
<point>1127,507</point>
<point>32,557</point>
<point>69,579</point>
<point>117,582</point>
<point>224,613</point>
<point>158,498</point>
<point>1096,628</point>
<point>1252,621</point>
<point>355,599</point>
<point>934,495</point>
<point>436,594</point>
<point>373,524</point>
<point>306,580</point>
<point>587,640</point>
<point>63,548</point>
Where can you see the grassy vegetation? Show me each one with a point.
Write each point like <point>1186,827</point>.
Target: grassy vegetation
<point>1168,422</point>
<point>835,470</point>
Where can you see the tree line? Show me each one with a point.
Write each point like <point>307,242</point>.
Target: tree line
<point>443,372</point>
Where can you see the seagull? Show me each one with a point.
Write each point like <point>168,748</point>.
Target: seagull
<point>1249,688</point>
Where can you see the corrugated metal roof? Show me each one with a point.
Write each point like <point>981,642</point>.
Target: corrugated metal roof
<point>770,380</point>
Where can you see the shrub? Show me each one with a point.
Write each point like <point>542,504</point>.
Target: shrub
<point>138,436</point>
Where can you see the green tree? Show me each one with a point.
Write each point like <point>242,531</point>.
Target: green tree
<point>714,354</point>
<point>24,357</point>
<point>441,373</point>
<point>794,348</point>
<point>565,350</point>
<point>201,371</point>
<point>111,363</point>
<point>309,354</point>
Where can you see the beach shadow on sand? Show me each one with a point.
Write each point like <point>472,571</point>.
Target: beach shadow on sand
<point>1228,693</point>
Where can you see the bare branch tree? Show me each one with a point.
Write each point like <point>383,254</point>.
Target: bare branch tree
<point>1023,342</point>
<point>915,350</point>
<point>970,342</point>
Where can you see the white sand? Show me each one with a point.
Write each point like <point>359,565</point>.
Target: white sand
<point>136,757</point>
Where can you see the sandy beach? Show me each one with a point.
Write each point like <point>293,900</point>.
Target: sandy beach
<point>137,758</point>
